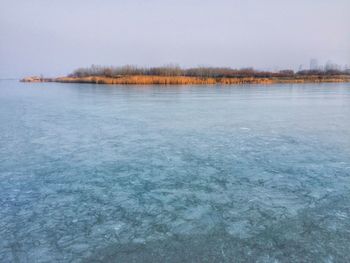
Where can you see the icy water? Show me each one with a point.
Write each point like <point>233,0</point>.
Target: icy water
<point>174,174</point>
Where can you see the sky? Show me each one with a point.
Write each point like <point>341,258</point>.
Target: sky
<point>54,37</point>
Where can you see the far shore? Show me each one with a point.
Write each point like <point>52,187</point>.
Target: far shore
<point>175,75</point>
<point>185,80</point>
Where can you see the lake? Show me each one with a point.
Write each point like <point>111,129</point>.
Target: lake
<point>94,173</point>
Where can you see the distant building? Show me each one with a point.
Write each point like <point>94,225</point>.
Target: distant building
<point>321,67</point>
<point>347,69</point>
<point>314,64</point>
<point>332,66</point>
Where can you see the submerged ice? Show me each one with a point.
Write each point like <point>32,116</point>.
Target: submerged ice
<point>177,174</point>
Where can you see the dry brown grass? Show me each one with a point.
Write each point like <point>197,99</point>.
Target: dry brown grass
<point>181,80</point>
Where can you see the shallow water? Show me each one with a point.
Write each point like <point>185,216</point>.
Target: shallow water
<point>174,174</point>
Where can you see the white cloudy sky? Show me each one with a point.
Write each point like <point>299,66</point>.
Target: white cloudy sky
<point>54,37</point>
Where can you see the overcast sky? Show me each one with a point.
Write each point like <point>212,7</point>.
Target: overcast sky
<point>53,37</point>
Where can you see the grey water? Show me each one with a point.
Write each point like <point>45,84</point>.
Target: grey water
<point>94,173</point>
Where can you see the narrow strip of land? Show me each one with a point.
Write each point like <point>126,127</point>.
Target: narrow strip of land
<point>129,75</point>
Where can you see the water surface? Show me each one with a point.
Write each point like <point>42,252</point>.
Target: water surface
<point>92,173</point>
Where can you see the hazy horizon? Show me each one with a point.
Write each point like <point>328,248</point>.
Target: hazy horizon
<point>55,37</point>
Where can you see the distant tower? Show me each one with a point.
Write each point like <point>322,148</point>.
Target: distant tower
<point>331,66</point>
<point>313,64</point>
<point>347,69</point>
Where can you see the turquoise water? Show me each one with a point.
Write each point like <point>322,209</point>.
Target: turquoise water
<point>174,174</point>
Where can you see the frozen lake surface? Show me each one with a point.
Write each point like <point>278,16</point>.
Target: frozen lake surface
<point>174,174</point>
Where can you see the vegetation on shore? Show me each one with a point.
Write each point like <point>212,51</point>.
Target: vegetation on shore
<point>200,75</point>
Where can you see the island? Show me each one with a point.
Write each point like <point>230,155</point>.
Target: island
<point>175,75</point>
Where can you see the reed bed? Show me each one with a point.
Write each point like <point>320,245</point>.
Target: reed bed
<point>182,80</point>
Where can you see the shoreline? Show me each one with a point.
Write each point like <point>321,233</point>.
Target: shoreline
<point>185,80</point>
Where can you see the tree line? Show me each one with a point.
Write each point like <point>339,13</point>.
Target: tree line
<point>202,72</point>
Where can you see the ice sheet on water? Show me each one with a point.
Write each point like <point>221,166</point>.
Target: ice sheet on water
<point>116,174</point>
